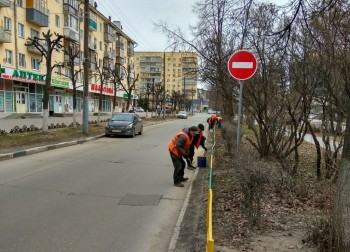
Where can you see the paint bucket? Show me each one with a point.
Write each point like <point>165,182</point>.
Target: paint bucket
<point>201,162</point>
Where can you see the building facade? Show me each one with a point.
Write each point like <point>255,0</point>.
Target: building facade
<point>23,68</point>
<point>178,70</point>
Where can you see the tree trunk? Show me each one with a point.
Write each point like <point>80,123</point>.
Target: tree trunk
<point>341,215</point>
<point>318,151</point>
<point>74,118</point>
<point>74,105</point>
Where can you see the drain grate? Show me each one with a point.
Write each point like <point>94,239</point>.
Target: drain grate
<point>140,200</point>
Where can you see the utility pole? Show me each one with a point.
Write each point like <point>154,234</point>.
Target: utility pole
<point>163,106</point>
<point>185,105</point>
<point>86,69</point>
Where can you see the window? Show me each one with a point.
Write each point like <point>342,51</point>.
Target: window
<point>21,60</point>
<point>57,20</point>
<point>68,72</point>
<point>20,30</point>
<point>34,33</point>
<point>20,3</point>
<point>35,64</point>
<point>7,24</point>
<point>100,45</point>
<point>8,57</point>
<point>71,21</point>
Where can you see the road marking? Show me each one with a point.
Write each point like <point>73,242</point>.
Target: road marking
<point>242,64</point>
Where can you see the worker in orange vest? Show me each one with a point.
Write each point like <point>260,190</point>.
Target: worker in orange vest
<point>179,147</point>
<point>212,120</point>
<point>198,140</point>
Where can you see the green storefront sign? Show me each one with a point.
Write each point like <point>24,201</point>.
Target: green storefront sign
<point>125,95</point>
<point>59,83</point>
<point>28,75</point>
<point>21,75</point>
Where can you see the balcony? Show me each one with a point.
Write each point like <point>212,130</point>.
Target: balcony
<point>119,52</point>
<point>70,34</point>
<point>109,37</point>
<point>92,66</point>
<point>4,3</point>
<point>92,25</point>
<point>33,49</point>
<point>37,17</point>
<point>120,45</point>
<point>5,36</point>
<point>71,7</point>
<point>67,60</point>
<point>109,54</point>
<point>92,46</point>
<point>119,60</point>
<point>130,49</point>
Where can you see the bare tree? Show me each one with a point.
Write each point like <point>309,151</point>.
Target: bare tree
<point>46,46</point>
<point>131,81</point>
<point>72,55</point>
<point>103,74</point>
<point>117,75</point>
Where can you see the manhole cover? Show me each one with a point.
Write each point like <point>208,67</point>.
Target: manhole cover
<point>140,200</point>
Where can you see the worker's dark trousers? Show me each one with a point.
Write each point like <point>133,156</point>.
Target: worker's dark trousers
<point>179,168</point>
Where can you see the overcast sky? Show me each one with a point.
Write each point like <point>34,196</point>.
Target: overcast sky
<point>137,18</point>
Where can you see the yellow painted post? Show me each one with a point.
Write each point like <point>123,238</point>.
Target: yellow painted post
<point>210,240</point>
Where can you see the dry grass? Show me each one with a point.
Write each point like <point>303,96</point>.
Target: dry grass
<point>25,140</point>
<point>293,205</point>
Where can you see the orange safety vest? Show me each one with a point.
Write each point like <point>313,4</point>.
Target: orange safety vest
<point>172,148</point>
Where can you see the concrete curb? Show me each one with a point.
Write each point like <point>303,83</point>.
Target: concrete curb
<point>39,149</point>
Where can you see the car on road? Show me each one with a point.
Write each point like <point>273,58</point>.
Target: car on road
<point>124,124</point>
<point>182,115</point>
<point>139,109</point>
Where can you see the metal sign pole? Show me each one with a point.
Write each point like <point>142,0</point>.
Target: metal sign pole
<point>239,113</point>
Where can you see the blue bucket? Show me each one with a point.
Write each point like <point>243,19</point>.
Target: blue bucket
<point>201,162</point>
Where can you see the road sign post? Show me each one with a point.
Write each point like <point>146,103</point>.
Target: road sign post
<point>242,65</point>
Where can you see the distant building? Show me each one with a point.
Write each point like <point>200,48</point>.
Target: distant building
<point>178,70</point>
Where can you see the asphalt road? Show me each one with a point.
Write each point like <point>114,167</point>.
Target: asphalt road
<point>112,194</point>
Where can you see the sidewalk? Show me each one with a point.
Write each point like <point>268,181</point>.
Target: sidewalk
<point>8,124</point>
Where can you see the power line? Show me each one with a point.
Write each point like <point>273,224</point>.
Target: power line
<point>129,26</point>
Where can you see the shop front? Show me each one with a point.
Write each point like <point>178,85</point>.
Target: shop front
<point>22,92</point>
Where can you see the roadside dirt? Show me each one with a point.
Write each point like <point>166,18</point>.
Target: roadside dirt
<point>287,216</point>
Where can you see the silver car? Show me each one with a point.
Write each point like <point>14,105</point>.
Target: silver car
<point>124,124</point>
<point>182,115</point>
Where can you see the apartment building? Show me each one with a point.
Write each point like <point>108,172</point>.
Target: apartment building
<point>23,67</point>
<point>178,70</point>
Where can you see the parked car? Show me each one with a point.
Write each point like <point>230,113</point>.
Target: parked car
<point>139,109</point>
<point>126,124</point>
<point>182,115</point>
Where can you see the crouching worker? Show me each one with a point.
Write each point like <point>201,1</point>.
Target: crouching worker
<point>179,147</point>
<point>198,140</point>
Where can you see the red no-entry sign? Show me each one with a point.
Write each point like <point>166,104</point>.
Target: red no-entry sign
<point>242,65</point>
